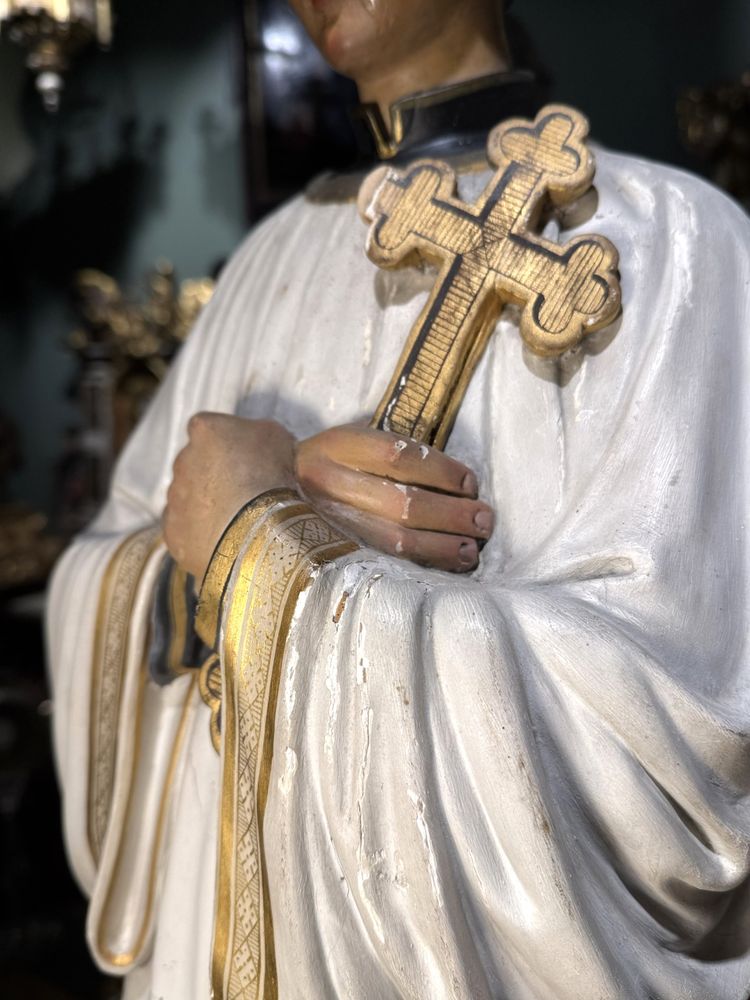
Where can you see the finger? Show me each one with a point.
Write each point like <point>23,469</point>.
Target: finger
<point>179,460</point>
<point>454,553</point>
<point>410,506</point>
<point>207,422</point>
<point>171,534</point>
<point>198,425</point>
<point>399,458</point>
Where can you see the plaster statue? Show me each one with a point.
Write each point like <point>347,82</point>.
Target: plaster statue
<point>481,713</point>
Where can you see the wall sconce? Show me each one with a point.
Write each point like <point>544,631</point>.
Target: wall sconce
<point>52,31</point>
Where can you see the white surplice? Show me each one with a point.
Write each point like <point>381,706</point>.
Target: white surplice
<point>530,783</point>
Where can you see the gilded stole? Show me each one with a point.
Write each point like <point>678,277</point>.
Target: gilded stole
<point>266,559</point>
<point>110,653</point>
<point>111,736</point>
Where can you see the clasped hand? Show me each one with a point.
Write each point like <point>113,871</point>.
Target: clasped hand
<point>387,491</point>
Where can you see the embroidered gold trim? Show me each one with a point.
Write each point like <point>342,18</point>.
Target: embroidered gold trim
<point>125,960</point>
<point>208,616</point>
<point>209,685</point>
<point>117,594</point>
<point>178,622</point>
<point>285,542</point>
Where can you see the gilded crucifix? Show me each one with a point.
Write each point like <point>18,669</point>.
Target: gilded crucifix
<point>489,255</point>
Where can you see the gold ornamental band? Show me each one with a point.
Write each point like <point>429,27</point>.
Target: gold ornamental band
<point>277,543</point>
<point>111,645</point>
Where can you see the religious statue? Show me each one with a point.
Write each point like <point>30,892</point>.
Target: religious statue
<point>408,657</point>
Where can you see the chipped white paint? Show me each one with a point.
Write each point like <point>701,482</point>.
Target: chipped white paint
<point>364,871</point>
<point>367,343</point>
<point>286,781</point>
<point>424,833</point>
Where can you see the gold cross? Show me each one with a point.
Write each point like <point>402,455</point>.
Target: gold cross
<point>489,255</point>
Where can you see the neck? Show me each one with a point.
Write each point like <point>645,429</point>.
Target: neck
<point>469,51</point>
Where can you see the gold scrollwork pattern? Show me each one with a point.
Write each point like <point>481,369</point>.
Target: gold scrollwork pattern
<point>209,685</point>
<point>117,595</point>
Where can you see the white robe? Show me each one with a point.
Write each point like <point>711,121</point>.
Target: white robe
<point>530,783</point>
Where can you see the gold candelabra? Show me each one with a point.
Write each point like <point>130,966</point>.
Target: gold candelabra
<point>715,126</point>
<point>53,31</point>
<point>125,345</point>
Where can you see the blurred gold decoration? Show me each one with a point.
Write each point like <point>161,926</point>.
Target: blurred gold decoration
<point>149,332</point>
<point>125,347</point>
<point>27,552</point>
<point>53,31</point>
<point>715,125</point>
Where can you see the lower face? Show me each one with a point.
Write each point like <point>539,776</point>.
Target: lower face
<point>360,37</point>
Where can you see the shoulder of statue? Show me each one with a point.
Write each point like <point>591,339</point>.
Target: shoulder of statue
<point>664,186</point>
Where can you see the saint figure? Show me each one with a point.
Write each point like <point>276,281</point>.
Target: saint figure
<point>470,724</point>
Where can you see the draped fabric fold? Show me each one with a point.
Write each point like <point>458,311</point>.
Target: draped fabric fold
<point>135,735</point>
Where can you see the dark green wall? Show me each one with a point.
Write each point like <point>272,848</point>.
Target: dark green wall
<point>625,62</point>
<point>143,161</point>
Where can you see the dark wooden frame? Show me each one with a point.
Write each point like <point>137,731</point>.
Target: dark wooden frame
<point>296,107</point>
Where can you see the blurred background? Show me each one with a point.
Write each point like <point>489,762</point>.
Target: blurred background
<point>138,145</point>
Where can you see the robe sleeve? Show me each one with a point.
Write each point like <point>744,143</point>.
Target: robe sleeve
<point>117,733</point>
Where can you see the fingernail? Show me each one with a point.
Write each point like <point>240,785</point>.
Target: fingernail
<point>484,521</point>
<point>467,554</point>
<point>470,485</point>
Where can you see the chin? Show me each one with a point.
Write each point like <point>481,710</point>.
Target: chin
<point>347,44</point>
<point>339,53</point>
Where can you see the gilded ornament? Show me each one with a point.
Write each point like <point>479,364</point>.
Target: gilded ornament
<point>489,254</point>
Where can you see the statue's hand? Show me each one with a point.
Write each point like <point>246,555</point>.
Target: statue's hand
<point>226,462</point>
<point>398,496</point>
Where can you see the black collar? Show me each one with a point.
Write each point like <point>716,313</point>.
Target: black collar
<point>450,120</point>
<point>448,123</point>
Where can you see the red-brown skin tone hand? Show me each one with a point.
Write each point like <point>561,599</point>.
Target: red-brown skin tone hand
<point>395,495</point>
<point>388,492</point>
<point>226,462</point>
